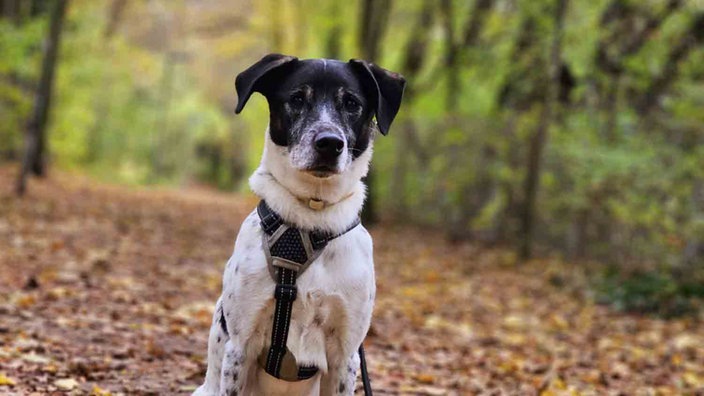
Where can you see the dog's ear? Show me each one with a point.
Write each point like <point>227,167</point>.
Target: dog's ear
<point>253,79</point>
<point>388,87</point>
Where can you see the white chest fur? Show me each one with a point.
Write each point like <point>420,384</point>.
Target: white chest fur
<point>335,297</point>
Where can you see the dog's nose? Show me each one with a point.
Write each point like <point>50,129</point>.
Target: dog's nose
<point>329,144</point>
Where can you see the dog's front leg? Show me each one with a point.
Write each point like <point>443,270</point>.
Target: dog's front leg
<point>233,371</point>
<point>340,378</point>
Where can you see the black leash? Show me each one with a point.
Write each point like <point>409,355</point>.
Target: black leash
<point>365,375</point>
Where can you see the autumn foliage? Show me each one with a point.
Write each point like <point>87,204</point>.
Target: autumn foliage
<point>110,290</point>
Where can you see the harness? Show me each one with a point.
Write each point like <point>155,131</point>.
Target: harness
<point>289,252</point>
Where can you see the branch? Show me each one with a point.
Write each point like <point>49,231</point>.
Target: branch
<point>619,11</point>
<point>476,21</point>
<point>660,84</point>
<point>417,44</point>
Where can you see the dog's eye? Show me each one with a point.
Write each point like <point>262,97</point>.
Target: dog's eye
<point>352,105</point>
<point>297,100</point>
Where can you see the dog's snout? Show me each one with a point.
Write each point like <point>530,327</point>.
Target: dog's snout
<point>328,144</point>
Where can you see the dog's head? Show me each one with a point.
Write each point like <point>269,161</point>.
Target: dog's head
<point>321,110</point>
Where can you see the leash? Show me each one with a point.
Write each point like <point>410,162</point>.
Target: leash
<point>365,375</point>
<point>289,252</point>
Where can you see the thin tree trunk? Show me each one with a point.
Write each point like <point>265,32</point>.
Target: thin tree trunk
<point>539,139</point>
<point>372,25</point>
<point>476,22</point>
<point>474,195</point>
<point>409,142</point>
<point>373,22</point>
<point>610,108</point>
<point>115,14</point>
<point>505,225</point>
<point>35,137</point>
<point>10,9</point>
<point>333,42</point>
<point>451,58</point>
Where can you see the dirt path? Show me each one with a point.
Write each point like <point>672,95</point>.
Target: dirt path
<point>110,290</point>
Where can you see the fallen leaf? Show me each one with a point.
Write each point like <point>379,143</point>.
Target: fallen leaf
<point>6,381</point>
<point>98,391</point>
<point>425,378</point>
<point>66,384</point>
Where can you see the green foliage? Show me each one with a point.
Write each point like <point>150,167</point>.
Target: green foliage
<point>19,66</point>
<point>651,293</point>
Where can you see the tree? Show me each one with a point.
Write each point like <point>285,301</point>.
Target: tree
<point>374,16</point>
<point>539,139</point>
<point>415,57</point>
<point>34,160</point>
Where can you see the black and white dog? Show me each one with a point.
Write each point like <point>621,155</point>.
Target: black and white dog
<point>318,147</point>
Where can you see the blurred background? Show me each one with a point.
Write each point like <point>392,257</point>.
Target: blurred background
<point>569,129</point>
<point>574,127</point>
<point>537,208</point>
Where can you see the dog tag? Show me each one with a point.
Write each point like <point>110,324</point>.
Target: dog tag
<point>316,204</point>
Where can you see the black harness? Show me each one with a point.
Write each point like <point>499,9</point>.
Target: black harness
<point>289,252</point>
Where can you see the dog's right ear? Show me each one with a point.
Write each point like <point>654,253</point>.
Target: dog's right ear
<point>252,79</point>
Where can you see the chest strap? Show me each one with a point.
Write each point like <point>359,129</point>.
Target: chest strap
<point>289,252</point>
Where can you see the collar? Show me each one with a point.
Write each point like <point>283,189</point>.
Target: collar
<point>319,204</point>
<point>314,203</point>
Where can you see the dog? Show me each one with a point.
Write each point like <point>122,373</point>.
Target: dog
<point>323,117</point>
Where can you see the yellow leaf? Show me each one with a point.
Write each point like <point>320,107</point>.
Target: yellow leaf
<point>26,301</point>
<point>425,378</point>
<point>97,391</point>
<point>692,379</point>
<point>558,384</point>
<point>432,276</point>
<point>6,381</point>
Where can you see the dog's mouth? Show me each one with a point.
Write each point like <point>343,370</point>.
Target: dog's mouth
<point>321,171</point>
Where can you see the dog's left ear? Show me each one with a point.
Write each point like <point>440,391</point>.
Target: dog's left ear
<point>253,79</point>
<point>389,88</point>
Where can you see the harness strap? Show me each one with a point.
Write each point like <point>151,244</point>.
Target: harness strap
<point>304,372</point>
<point>288,255</point>
<point>285,294</point>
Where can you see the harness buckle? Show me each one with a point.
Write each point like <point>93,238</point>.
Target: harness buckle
<point>318,241</point>
<point>270,223</point>
<point>285,292</point>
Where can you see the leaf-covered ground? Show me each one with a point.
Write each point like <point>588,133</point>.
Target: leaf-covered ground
<point>108,289</point>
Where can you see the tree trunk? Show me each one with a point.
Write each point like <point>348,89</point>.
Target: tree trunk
<point>10,9</point>
<point>451,58</point>
<point>333,42</point>
<point>539,139</point>
<point>610,108</point>
<point>374,16</point>
<point>115,14</point>
<point>35,136</point>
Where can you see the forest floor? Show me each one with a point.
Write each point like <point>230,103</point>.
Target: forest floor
<point>110,290</point>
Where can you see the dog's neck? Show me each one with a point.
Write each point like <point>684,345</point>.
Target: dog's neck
<point>288,191</point>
